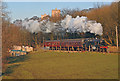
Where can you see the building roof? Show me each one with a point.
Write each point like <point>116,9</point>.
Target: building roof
<point>18,51</point>
<point>56,9</point>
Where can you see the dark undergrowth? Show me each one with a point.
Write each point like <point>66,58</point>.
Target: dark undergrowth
<point>11,63</point>
<point>17,59</point>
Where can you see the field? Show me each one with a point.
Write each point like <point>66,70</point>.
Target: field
<point>63,65</point>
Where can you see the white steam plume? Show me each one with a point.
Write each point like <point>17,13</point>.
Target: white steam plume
<point>69,24</point>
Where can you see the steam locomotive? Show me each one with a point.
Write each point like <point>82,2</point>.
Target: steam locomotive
<point>84,44</point>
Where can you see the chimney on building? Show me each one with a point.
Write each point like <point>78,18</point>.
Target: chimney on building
<point>56,13</point>
<point>43,16</point>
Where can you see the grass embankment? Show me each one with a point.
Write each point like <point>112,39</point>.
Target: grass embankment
<point>63,65</point>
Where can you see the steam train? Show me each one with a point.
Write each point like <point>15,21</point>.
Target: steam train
<point>86,44</point>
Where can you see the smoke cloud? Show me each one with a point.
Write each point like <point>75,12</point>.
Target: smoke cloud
<point>68,24</point>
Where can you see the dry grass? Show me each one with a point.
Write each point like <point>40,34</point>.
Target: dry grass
<point>114,49</point>
<point>62,65</point>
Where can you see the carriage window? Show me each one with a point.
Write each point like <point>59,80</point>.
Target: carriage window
<point>52,43</point>
<point>66,42</point>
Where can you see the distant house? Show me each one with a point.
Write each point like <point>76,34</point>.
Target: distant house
<point>20,50</point>
<point>27,48</point>
<point>17,52</point>
<point>17,47</point>
<point>44,17</point>
<point>55,13</point>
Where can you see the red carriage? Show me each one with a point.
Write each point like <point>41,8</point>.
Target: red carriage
<point>76,44</point>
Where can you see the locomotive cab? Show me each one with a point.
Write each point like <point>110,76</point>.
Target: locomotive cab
<point>91,44</point>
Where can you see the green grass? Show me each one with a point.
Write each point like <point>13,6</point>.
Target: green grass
<point>61,65</point>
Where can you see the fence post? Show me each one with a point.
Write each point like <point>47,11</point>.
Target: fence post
<point>82,48</point>
<point>97,48</point>
<point>56,47</point>
<point>64,48</point>
<point>10,53</point>
<point>68,48</point>
<point>72,48</point>
<point>108,50</point>
<point>60,48</point>
<point>92,49</point>
<point>77,49</point>
<point>85,47</point>
<point>13,53</point>
<point>89,48</point>
<point>117,37</point>
<point>52,47</point>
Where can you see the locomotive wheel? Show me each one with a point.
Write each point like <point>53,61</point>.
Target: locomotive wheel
<point>105,49</point>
